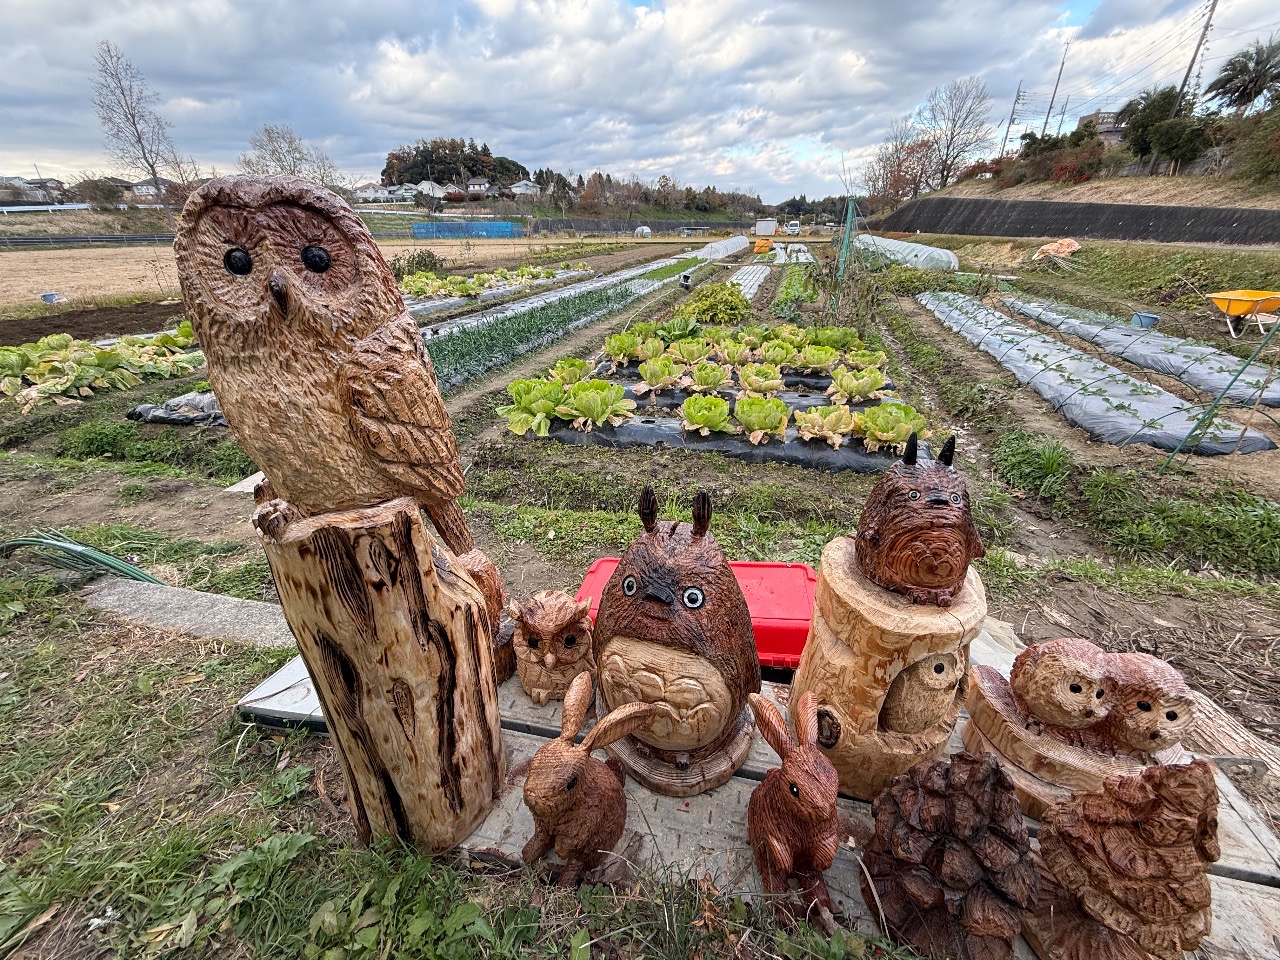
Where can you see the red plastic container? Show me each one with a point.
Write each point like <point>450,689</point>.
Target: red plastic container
<point>779,596</point>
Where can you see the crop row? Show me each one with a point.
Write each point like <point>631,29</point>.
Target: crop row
<point>427,284</point>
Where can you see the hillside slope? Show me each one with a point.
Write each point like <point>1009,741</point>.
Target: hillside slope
<point>1176,191</point>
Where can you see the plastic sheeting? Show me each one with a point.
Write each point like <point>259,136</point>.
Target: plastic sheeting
<point>1112,406</point>
<point>912,254</point>
<point>750,278</point>
<point>722,248</point>
<point>184,411</point>
<point>1195,364</point>
<point>468,230</point>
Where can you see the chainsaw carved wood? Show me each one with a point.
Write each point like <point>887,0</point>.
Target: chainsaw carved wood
<point>1073,715</point>
<point>673,630</point>
<point>951,860</point>
<point>322,376</point>
<point>398,644</point>
<point>578,805</point>
<point>1125,868</point>
<point>552,642</point>
<point>791,818</point>
<point>890,675</point>
<point>916,534</point>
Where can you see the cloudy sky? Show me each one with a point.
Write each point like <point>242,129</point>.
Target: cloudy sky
<point>770,96</point>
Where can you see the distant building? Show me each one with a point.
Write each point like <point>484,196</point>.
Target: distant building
<point>479,186</point>
<point>151,190</point>
<point>431,188</point>
<point>372,193</point>
<point>523,188</point>
<point>1110,131</point>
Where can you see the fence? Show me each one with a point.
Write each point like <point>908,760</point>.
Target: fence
<point>468,230</point>
<point>582,225</point>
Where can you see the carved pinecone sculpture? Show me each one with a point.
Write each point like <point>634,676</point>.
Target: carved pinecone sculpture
<point>1136,855</point>
<point>951,860</point>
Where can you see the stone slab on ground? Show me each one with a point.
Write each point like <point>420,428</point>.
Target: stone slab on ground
<point>190,612</point>
<point>247,484</point>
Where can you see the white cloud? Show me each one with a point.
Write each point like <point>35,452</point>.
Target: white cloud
<point>730,92</point>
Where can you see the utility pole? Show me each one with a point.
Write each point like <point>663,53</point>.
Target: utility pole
<point>1063,115</point>
<point>1016,98</point>
<point>1186,77</point>
<point>1055,87</point>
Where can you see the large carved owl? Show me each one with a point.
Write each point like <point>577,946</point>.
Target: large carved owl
<point>319,369</point>
<point>916,534</point>
<point>673,629</point>
<point>552,643</point>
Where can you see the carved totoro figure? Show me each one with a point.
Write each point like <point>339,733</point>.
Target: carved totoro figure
<point>552,642</point>
<point>673,630</point>
<point>916,535</point>
<point>1064,685</point>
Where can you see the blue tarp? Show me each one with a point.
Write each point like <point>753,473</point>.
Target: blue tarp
<point>468,230</point>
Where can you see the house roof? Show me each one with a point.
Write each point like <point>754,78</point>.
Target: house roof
<point>157,182</point>
<point>478,180</point>
<point>118,181</point>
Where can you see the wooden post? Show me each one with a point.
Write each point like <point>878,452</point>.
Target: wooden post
<point>399,646</point>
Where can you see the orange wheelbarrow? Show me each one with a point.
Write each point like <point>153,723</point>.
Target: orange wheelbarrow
<point>1247,306</point>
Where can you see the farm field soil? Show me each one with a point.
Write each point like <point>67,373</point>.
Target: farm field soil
<point>148,274</point>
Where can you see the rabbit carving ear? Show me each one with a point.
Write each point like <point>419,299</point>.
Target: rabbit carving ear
<point>514,612</point>
<point>948,451</point>
<point>617,724</point>
<point>910,454</point>
<point>583,608</point>
<point>771,725</point>
<point>806,718</point>
<point>576,702</point>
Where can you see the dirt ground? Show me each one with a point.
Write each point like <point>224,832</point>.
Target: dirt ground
<point>95,322</point>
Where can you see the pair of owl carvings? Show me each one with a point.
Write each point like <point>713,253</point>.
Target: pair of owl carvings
<point>320,371</point>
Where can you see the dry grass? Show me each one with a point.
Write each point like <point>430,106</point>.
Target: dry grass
<point>1176,191</point>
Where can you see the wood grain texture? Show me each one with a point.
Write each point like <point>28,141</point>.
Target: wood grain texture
<point>951,861</point>
<point>916,535</point>
<point>871,659</point>
<point>317,366</point>
<point>398,644</point>
<point>578,805</point>
<point>1133,856</point>
<point>1064,685</point>
<point>552,643</point>
<point>792,824</point>
<point>673,629</point>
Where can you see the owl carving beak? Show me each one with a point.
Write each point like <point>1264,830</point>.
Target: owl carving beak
<point>278,285</point>
<point>550,661</point>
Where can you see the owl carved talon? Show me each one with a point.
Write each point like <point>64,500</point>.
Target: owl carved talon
<point>273,517</point>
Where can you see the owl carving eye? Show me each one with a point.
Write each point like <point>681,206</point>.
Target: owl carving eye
<point>1098,694</point>
<point>913,494</point>
<point>955,498</point>
<point>629,585</point>
<point>1171,714</point>
<point>693,598</point>
<point>1144,706</point>
<point>939,668</point>
<point>570,639</point>
<point>1076,688</point>
<point>316,259</point>
<point>238,261</point>
<point>533,643</point>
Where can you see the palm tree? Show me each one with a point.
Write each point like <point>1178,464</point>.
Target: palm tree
<point>1250,74</point>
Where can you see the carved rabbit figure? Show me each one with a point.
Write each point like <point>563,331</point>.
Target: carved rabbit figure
<point>791,817</point>
<point>552,642</point>
<point>916,535</point>
<point>576,800</point>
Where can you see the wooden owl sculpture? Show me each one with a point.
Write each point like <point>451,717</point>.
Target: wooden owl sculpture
<point>673,630</point>
<point>552,643</point>
<point>1063,685</point>
<point>319,369</point>
<point>577,802</point>
<point>1153,707</point>
<point>924,691</point>
<point>792,823</point>
<point>1127,868</point>
<point>951,860</point>
<point>916,535</point>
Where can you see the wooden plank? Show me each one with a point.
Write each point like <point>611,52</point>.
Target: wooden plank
<point>1246,922</point>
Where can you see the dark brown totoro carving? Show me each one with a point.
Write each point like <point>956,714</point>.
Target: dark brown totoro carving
<point>951,859</point>
<point>916,535</point>
<point>673,630</point>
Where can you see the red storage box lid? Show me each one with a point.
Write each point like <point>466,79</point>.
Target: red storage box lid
<point>779,596</point>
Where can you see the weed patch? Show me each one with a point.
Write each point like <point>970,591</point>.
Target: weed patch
<point>209,453</point>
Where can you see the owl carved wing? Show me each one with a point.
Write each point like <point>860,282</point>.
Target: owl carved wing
<point>397,412</point>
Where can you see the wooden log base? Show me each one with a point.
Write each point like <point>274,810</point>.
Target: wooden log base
<point>398,642</point>
<point>706,769</point>
<point>1045,769</point>
<point>890,675</point>
<point>1058,929</point>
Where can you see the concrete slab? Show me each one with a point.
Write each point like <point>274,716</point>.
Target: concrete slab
<point>247,484</point>
<point>190,612</point>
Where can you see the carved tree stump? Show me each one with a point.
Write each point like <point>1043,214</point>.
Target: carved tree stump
<point>890,675</point>
<point>398,643</point>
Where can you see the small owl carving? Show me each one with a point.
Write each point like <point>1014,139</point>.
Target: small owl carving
<point>674,630</point>
<point>318,368</point>
<point>552,643</point>
<point>925,693</point>
<point>1153,708</point>
<point>916,535</point>
<point>1063,685</point>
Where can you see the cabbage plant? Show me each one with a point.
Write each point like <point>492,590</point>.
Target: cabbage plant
<point>889,424</point>
<point>762,417</point>
<point>705,414</point>
<point>569,370</point>
<point>862,359</point>
<point>658,374</point>
<point>817,359</point>
<point>734,352</point>
<point>832,424</point>
<point>778,353</point>
<point>622,347</point>
<point>707,378</point>
<point>842,338</point>
<point>758,379</point>
<point>848,386</point>
<point>653,347</point>
<point>690,350</point>
<point>533,405</point>
<point>593,403</point>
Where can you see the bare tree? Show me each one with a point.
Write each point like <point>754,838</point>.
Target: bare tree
<point>135,135</point>
<point>956,120</point>
<point>276,148</point>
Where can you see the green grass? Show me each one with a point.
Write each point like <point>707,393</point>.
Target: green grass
<point>205,453</point>
<point>673,269</point>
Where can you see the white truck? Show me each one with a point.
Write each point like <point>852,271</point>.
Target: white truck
<point>793,228</point>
